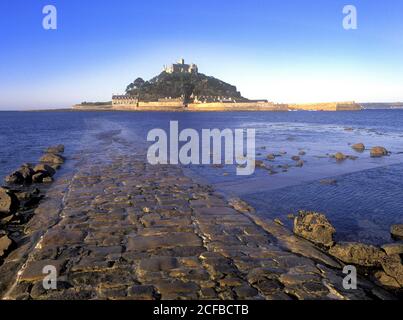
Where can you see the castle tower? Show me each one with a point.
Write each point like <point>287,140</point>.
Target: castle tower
<point>193,68</point>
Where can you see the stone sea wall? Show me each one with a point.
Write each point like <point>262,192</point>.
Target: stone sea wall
<point>95,107</point>
<point>220,106</point>
<point>240,106</point>
<point>328,106</point>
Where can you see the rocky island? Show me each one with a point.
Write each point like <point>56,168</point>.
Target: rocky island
<point>180,87</point>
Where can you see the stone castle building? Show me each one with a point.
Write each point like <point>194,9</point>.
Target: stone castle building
<point>181,67</point>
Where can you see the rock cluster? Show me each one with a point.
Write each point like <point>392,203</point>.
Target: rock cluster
<point>384,263</point>
<point>339,156</point>
<point>21,196</point>
<point>43,172</point>
<point>269,165</point>
<point>375,152</point>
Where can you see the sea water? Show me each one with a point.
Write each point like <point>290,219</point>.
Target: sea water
<point>362,201</point>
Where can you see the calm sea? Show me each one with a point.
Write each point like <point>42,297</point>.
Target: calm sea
<point>366,199</point>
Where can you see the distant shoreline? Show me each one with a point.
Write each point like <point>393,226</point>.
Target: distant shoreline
<point>215,108</point>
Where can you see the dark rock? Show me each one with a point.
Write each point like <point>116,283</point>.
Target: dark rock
<point>359,147</point>
<point>175,239</point>
<point>340,156</point>
<point>55,166</point>
<point>175,287</point>
<point>397,231</point>
<point>26,195</point>
<point>296,158</point>
<point>245,292</point>
<point>52,158</point>
<point>23,196</point>
<point>8,201</point>
<point>142,292</point>
<point>328,181</point>
<point>292,279</point>
<point>55,149</point>
<point>393,248</point>
<point>240,205</point>
<point>278,221</point>
<point>259,164</point>
<point>45,169</point>
<point>47,180</point>
<point>39,177</point>
<point>34,270</point>
<point>15,178</point>
<point>26,172</point>
<point>300,163</point>
<point>32,201</point>
<point>358,254</point>
<point>157,264</point>
<point>386,281</point>
<point>302,153</point>
<point>377,152</point>
<point>22,175</point>
<point>392,265</point>
<point>271,156</point>
<point>5,244</point>
<point>7,219</point>
<point>314,227</point>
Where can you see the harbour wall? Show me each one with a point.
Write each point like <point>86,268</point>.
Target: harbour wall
<point>220,106</point>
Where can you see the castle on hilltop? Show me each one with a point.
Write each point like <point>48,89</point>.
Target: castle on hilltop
<point>180,86</point>
<point>181,67</point>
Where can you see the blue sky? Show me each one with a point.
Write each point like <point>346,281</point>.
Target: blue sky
<point>282,50</point>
